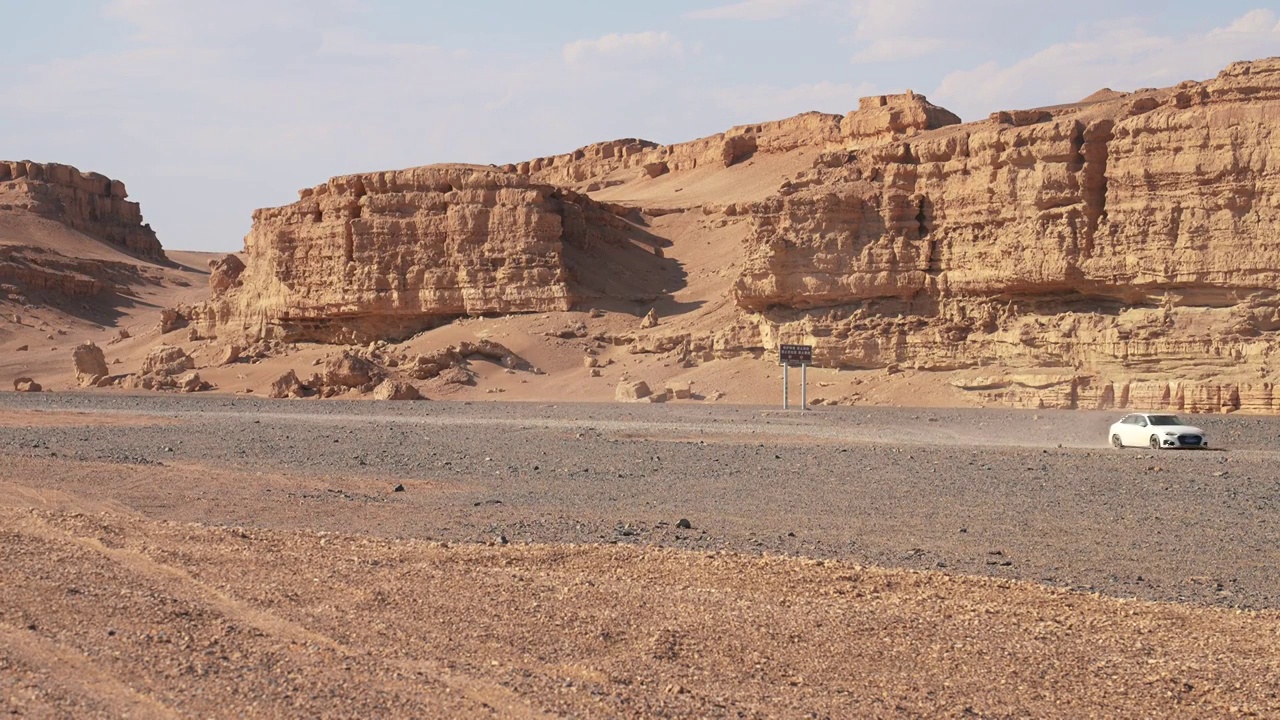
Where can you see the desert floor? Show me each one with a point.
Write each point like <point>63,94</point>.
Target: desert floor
<point>224,556</point>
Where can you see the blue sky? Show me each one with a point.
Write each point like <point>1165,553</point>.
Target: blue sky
<point>208,110</point>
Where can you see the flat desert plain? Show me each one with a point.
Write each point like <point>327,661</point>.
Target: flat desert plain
<point>222,556</point>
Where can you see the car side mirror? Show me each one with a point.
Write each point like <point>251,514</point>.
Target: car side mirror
<point>1142,423</point>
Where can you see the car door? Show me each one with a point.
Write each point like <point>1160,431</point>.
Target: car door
<point>1139,433</point>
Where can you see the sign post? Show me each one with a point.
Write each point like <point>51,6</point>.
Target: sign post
<point>801,355</point>
<point>785,385</point>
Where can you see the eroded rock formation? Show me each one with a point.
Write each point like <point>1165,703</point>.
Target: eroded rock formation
<point>384,255</point>
<point>878,118</point>
<point>1122,251</point>
<point>1091,253</point>
<point>89,202</point>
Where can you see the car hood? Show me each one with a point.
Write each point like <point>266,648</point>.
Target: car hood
<point>1178,429</point>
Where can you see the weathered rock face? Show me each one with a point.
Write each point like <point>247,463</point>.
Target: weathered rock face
<point>384,255</point>
<point>1092,252</point>
<point>91,203</point>
<point>395,390</point>
<point>878,118</point>
<point>224,273</point>
<point>166,360</point>
<point>90,364</point>
<point>351,371</point>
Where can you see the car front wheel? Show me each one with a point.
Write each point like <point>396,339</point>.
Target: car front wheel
<point>1115,442</point>
<point>1155,443</point>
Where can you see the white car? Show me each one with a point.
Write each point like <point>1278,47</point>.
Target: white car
<point>1156,431</point>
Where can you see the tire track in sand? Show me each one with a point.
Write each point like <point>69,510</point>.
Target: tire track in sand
<point>503,701</point>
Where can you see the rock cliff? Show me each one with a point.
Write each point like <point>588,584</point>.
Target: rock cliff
<point>1114,253</point>
<point>1123,251</point>
<point>387,254</point>
<point>88,202</point>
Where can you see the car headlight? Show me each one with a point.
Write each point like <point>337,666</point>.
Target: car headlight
<point>1171,433</point>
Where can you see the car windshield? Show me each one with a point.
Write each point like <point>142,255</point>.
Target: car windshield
<point>1164,420</point>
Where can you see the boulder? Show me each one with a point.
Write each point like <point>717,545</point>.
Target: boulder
<point>650,320</point>
<point>224,273</point>
<point>191,382</point>
<point>171,319</point>
<point>351,371</point>
<point>21,348</point>
<point>568,332</point>
<point>26,384</point>
<point>167,360</point>
<point>393,390</point>
<point>286,386</point>
<point>654,169</point>
<point>229,354</point>
<point>679,391</point>
<point>89,362</point>
<point>632,391</point>
<point>457,376</point>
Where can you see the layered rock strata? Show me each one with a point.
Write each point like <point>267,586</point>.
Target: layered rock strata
<point>1080,257</point>
<point>88,202</point>
<point>384,255</point>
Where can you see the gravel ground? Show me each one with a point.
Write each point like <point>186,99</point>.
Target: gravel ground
<point>109,616</point>
<point>1011,494</point>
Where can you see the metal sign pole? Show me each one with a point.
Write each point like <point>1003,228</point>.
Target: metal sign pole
<point>785,368</point>
<point>804,386</point>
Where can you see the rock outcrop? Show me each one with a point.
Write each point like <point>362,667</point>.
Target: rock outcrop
<point>385,255</point>
<point>167,360</point>
<point>395,390</point>
<point>878,118</point>
<point>632,391</point>
<point>89,363</point>
<point>1120,253</point>
<point>89,202</point>
<point>287,386</point>
<point>166,367</point>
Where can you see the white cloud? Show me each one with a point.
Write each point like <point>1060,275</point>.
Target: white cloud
<point>753,10</point>
<point>1254,21</point>
<point>1122,55</point>
<point>624,46</point>
<point>897,30</point>
<point>899,49</point>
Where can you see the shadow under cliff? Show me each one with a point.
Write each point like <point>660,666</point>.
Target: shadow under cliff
<point>616,264</point>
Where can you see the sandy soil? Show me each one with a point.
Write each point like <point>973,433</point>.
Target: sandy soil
<point>225,556</point>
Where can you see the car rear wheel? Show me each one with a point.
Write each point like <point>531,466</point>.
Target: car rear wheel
<point>1155,443</point>
<point>1115,442</point>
